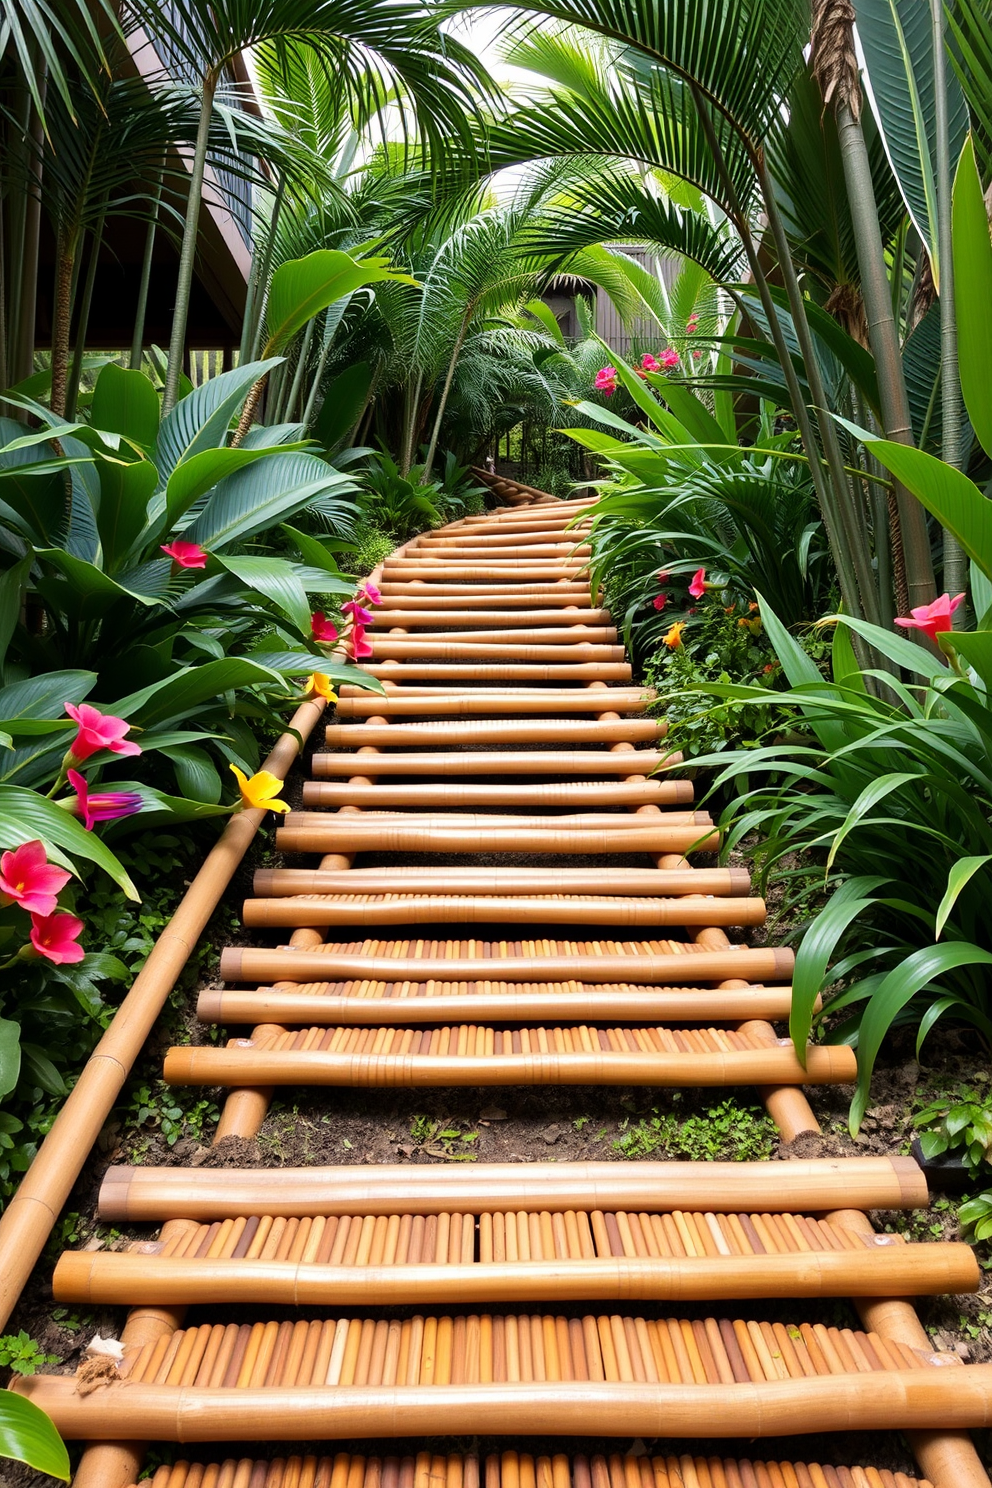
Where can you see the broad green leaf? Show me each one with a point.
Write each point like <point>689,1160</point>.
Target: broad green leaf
<point>973,294</point>
<point>844,664</point>
<point>897,40</point>
<point>194,477</point>
<point>45,695</point>
<point>11,585</point>
<point>981,597</point>
<point>302,287</point>
<point>200,421</point>
<point>84,592</point>
<point>196,774</point>
<point>28,1435</point>
<point>312,550</point>
<point>976,648</point>
<point>689,410</point>
<point>343,403</point>
<point>173,697</point>
<point>25,815</point>
<point>877,790</point>
<point>961,874</point>
<point>895,646</point>
<point>125,491</point>
<point>812,959</point>
<point>256,498</point>
<point>900,987</point>
<point>548,319</point>
<point>125,402</point>
<point>40,1070</point>
<point>10,1055</point>
<point>275,579</point>
<point>947,494</point>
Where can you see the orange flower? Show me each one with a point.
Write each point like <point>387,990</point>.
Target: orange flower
<point>673,637</point>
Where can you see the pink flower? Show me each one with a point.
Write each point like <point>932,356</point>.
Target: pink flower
<point>55,937</point>
<point>369,594</point>
<point>98,731</point>
<point>360,647</point>
<point>660,601</point>
<point>650,363</point>
<point>669,357</point>
<point>692,323</point>
<point>28,879</point>
<point>697,584</point>
<point>186,554</point>
<point>932,618</point>
<point>696,356</point>
<point>321,628</point>
<point>358,613</point>
<point>606,380</point>
<point>663,576</point>
<point>105,806</point>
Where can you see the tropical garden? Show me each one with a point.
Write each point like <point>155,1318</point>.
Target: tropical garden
<point>790,445</point>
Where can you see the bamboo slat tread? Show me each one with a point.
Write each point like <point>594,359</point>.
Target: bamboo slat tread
<point>393,612</point>
<point>141,1194</point>
<point>520,1470</point>
<point>400,648</point>
<point>413,834</point>
<point>481,1055</point>
<point>549,909</point>
<point>503,671</point>
<point>452,795</point>
<point>438,702</point>
<point>504,881</point>
<point>510,730</point>
<point>494,762</point>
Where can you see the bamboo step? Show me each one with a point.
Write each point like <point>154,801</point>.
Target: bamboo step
<point>500,731</point>
<point>473,549</point>
<point>481,1055</point>
<point>461,599</point>
<point>550,635</point>
<point>517,572</point>
<point>583,1256</point>
<point>376,910</point>
<point>449,703</point>
<point>517,1374</point>
<point>272,882</point>
<point>552,591</point>
<point>389,648</point>
<point>370,833</point>
<point>395,614</point>
<point>452,794</point>
<point>463,671</point>
<point>652,963</point>
<point>384,1003</point>
<point>142,1194</point>
<point>496,762</point>
<point>516,1469</point>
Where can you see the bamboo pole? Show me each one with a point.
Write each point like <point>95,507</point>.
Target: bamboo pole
<point>451,795</point>
<point>411,649</point>
<point>498,731</point>
<point>461,599</point>
<point>271,882</point>
<point>559,634</point>
<point>498,1005</point>
<point>405,909</point>
<point>119,1279</point>
<point>454,703</point>
<point>481,671</point>
<point>394,835</point>
<point>896,1400</point>
<point>44,1189</point>
<point>493,762</point>
<point>241,963</point>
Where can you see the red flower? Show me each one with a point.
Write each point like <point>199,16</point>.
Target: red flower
<point>697,584</point>
<point>358,613</point>
<point>360,647</point>
<point>772,666</point>
<point>663,576</point>
<point>28,879</point>
<point>55,937</point>
<point>98,731</point>
<point>669,357</point>
<point>105,806</point>
<point>322,629</point>
<point>605,380</point>
<point>692,323</point>
<point>660,601</point>
<point>932,618</point>
<point>186,554</point>
<point>369,594</point>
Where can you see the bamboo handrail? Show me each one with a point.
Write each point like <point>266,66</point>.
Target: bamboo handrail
<point>910,1270</point>
<point>502,1004</point>
<point>476,909</point>
<point>254,964</point>
<point>495,762</point>
<point>272,882</point>
<point>142,1194</point>
<point>44,1189</point>
<point>920,1398</point>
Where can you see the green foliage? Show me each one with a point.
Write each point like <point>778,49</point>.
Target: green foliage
<point>27,1435</point>
<point>398,504</point>
<point>728,1132</point>
<point>173,1113</point>
<point>21,1354</point>
<point>444,1139</point>
<point>961,1124</point>
<point>371,546</point>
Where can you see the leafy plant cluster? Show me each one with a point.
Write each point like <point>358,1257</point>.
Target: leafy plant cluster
<point>960,1123</point>
<point>726,1132</point>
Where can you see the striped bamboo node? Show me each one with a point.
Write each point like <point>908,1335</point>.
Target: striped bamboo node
<point>520,1470</point>
<point>453,795</point>
<point>496,762</point>
<point>510,882</point>
<point>515,1256</point>
<point>550,909</point>
<point>141,1194</point>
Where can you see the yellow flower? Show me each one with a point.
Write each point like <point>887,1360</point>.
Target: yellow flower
<point>673,638</point>
<point>318,684</point>
<point>260,791</point>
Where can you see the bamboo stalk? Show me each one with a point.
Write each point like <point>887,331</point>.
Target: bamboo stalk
<point>503,762</point>
<point>401,909</point>
<point>441,649</point>
<point>450,794</point>
<point>349,834</point>
<point>480,671</point>
<point>270,882</point>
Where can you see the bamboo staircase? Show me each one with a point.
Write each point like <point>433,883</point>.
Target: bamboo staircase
<point>523,1300</point>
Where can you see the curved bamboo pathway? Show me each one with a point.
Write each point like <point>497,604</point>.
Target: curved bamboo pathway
<point>554,1301</point>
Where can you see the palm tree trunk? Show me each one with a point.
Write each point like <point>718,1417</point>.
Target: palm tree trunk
<point>83,320</point>
<point>141,309</point>
<point>248,410</point>
<point>301,364</point>
<point>22,349</point>
<point>252,342</point>
<point>187,253</point>
<point>443,401</point>
<point>411,402</point>
<point>884,338</point>
<point>318,375</point>
<point>65,255</point>
<point>955,564</point>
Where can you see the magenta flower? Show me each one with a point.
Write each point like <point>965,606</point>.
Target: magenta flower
<point>361,647</point>
<point>669,357</point>
<point>29,880</point>
<point>56,936</point>
<point>186,554</point>
<point>606,380</point>
<point>696,356</point>
<point>369,594</point>
<point>692,323</point>
<point>94,806</point>
<point>660,601</point>
<point>697,584</point>
<point>358,613</point>
<point>932,618</point>
<point>322,629</point>
<point>663,576</point>
<point>98,731</point>
<point>650,363</point>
